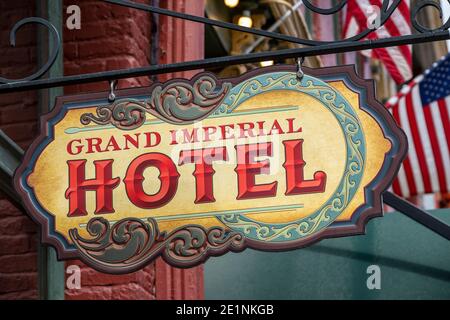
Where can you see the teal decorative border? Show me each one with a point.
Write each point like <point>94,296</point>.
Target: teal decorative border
<point>354,168</point>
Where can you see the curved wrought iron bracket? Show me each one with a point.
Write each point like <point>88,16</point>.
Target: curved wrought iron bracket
<point>387,8</point>
<point>336,47</point>
<point>53,55</point>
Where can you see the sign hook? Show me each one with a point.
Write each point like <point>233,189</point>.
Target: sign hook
<point>300,72</point>
<point>112,87</point>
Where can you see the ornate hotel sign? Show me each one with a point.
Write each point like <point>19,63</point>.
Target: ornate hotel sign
<point>191,169</point>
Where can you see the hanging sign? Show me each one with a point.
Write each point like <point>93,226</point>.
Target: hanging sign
<point>194,168</point>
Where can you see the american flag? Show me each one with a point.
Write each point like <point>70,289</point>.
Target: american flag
<point>422,109</point>
<point>398,60</point>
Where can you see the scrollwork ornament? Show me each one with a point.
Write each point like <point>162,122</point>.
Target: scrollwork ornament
<point>325,11</point>
<point>124,114</point>
<point>420,7</point>
<point>130,244</point>
<point>189,245</point>
<point>125,244</point>
<point>177,102</point>
<point>181,102</point>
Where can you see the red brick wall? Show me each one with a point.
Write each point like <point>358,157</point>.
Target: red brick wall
<point>18,114</point>
<point>110,38</point>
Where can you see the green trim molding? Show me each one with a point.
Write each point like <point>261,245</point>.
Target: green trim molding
<point>51,272</point>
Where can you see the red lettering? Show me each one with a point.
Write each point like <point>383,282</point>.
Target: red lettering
<point>227,131</point>
<point>112,143</point>
<point>150,142</point>
<point>78,147</point>
<point>261,128</point>
<point>294,165</point>
<point>133,141</point>
<point>291,126</point>
<point>190,137</point>
<point>94,143</point>
<point>248,168</point>
<point>204,171</point>
<point>246,132</point>
<point>168,176</point>
<point>103,185</point>
<point>173,137</point>
<point>208,132</point>
<point>276,128</point>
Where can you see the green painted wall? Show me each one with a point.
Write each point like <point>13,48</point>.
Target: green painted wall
<point>414,263</point>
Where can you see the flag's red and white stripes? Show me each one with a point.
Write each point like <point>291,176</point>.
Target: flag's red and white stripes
<point>398,60</point>
<point>426,168</point>
<point>324,30</point>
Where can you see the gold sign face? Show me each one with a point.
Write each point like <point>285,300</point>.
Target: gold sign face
<point>191,169</point>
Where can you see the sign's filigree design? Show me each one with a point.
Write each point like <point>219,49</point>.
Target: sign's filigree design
<point>129,244</point>
<point>175,102</point>
<point>191,169</point>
